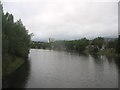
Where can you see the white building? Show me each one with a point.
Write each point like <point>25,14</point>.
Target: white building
<point>51,40</point>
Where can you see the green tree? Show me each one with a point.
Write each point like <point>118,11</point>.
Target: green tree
<point>118,45</point>
<point>15,42</point>
<point>98,42</point>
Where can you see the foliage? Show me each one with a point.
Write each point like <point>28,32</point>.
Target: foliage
<point>16,40</point>
<point>108,52</point>
<point>77,45</point>
<point>96,46</point>
<point>15,43</point>
<point>98,42</point>
<point>112,45</point>
<point>118,47</point>
<point>40,45</point>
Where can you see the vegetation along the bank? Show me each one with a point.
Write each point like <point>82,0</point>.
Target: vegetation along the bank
<point>100,46</point>
<point>15,43</point>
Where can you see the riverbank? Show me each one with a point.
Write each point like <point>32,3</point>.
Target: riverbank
<point>108,53</point>
<point>10,64</point>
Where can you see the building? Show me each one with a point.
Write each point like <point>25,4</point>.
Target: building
<point>51,40</point>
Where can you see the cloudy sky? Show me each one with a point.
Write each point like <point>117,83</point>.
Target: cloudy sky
<point>66,19</point>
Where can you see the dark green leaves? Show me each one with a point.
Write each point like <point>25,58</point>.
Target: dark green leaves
<point>16,40</point>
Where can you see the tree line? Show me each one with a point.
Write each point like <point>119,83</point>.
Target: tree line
<point>99,44</point>
<point>15,42</point>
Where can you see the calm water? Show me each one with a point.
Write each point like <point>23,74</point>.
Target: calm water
<point>60,69</point>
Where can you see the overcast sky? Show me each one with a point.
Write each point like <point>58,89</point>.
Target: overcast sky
<point>66,19</point>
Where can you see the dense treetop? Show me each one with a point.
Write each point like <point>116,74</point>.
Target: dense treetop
<point>15,37</point>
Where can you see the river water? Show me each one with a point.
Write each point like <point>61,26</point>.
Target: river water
<point>62,69</point>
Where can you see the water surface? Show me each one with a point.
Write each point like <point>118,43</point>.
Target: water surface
<point>61,69</point>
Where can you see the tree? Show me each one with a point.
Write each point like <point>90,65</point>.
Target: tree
<point>118,44</point>
<point>16,40</point>
<point>98,42</point>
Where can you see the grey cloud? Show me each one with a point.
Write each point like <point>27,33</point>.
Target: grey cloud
<point>66,19</point>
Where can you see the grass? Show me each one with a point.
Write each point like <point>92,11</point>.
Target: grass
<point>10,64</point>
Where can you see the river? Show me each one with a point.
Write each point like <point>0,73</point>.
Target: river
<point>62,69</point>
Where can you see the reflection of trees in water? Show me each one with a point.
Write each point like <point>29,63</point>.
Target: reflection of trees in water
<point>73,52</point>
<point>77,53</point>
<point>100,59</point>
<point>111,59</point>
<point>19,78</point>
<point>117,61</point>
<point>119,72</point>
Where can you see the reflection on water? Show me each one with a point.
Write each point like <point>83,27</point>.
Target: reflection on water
<point>63,69</point>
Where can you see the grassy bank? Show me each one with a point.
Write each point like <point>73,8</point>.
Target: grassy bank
<point>10,64</point>
<point>108,53</point>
